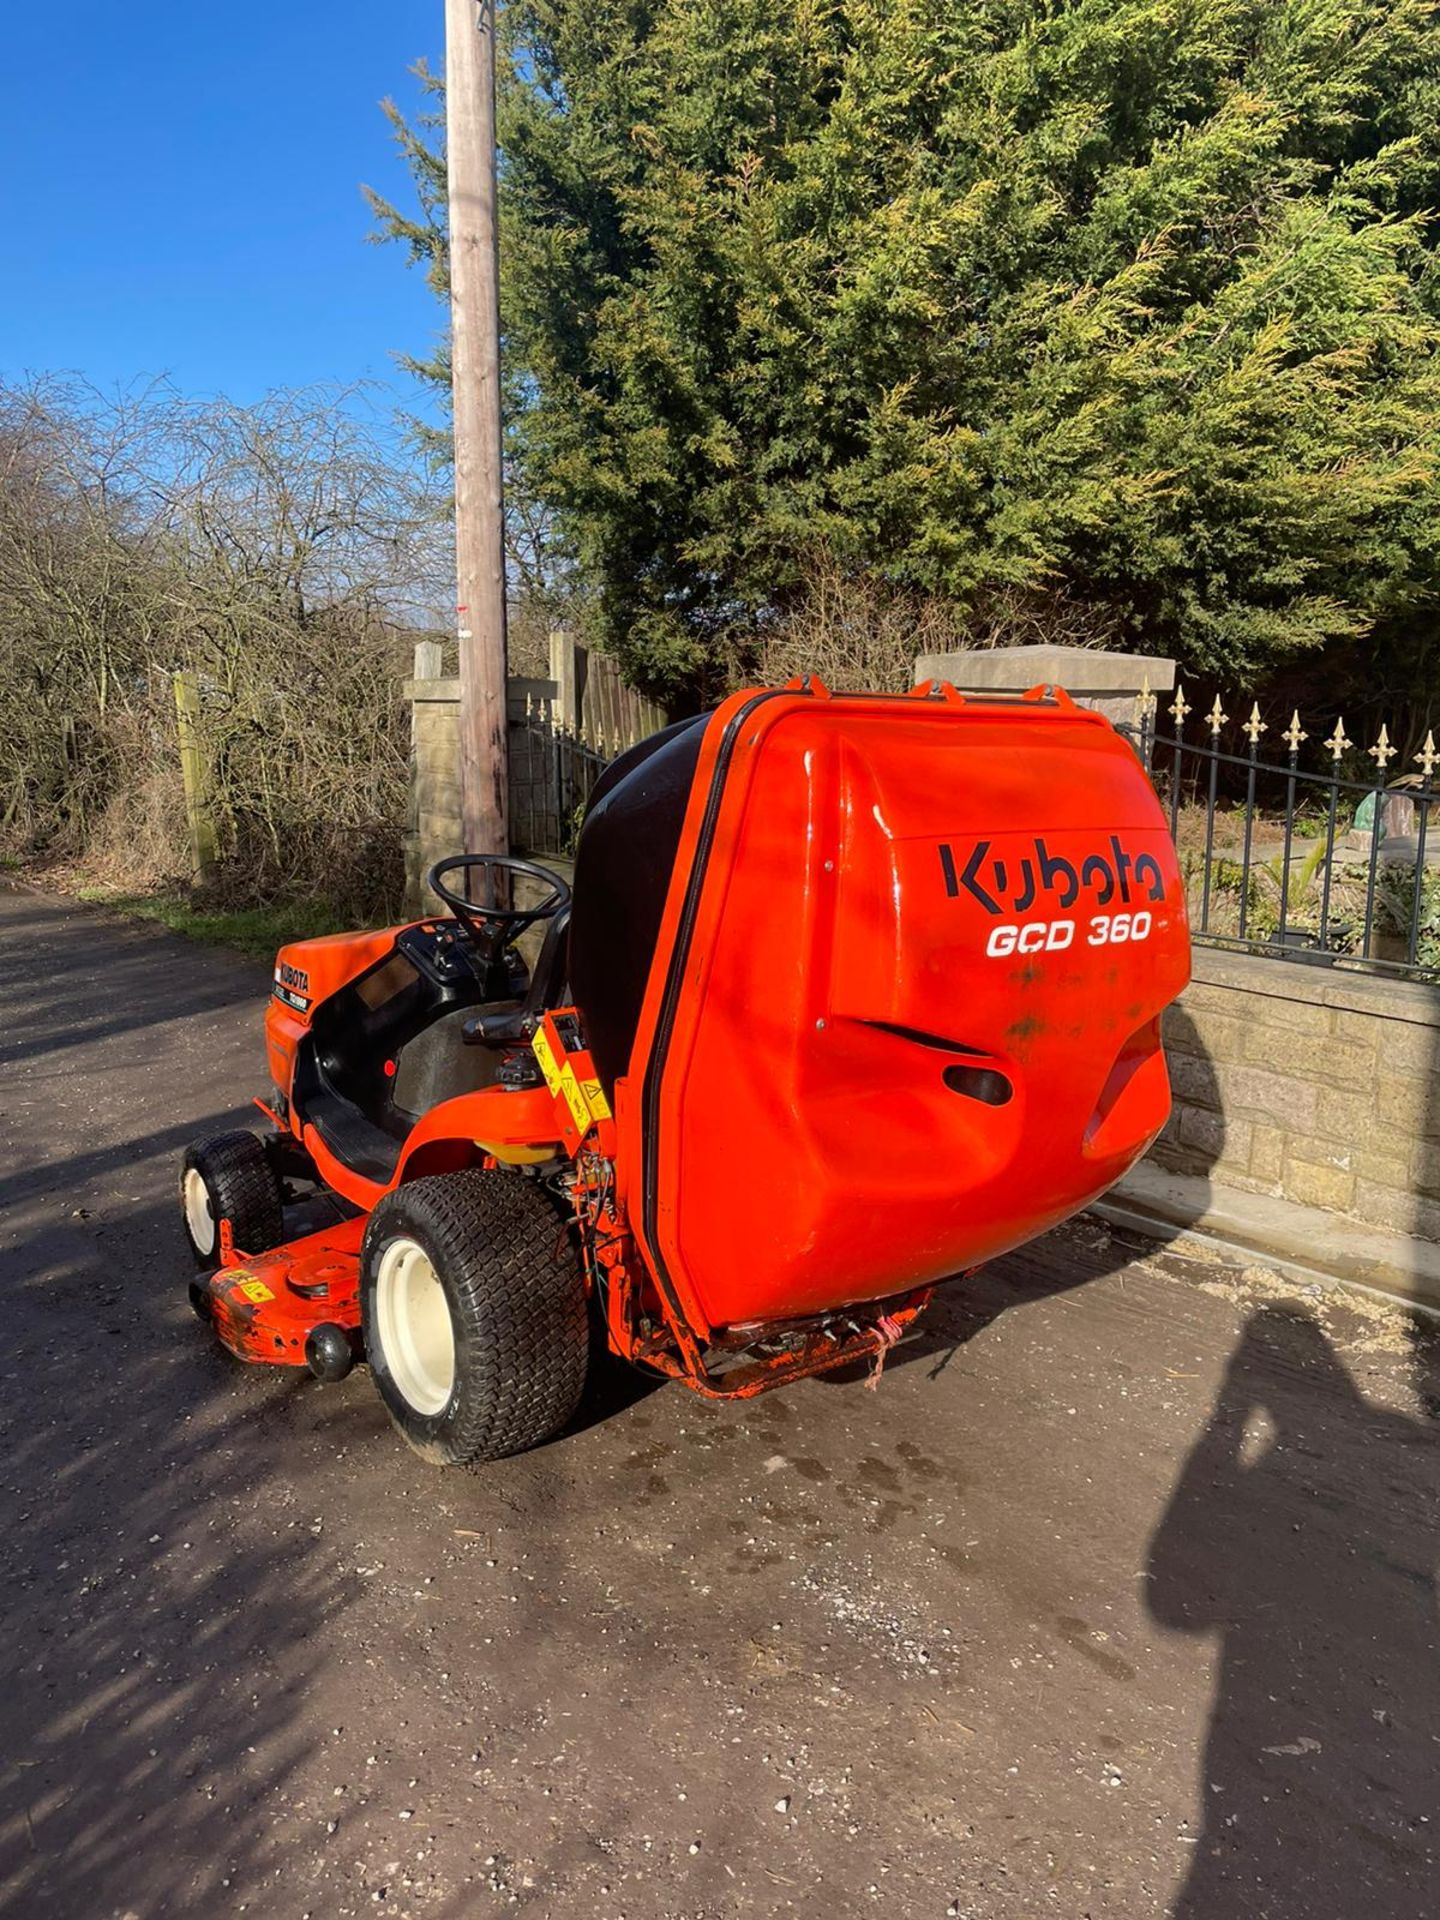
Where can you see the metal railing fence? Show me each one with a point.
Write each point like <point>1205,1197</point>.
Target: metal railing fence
<point>1307,863</point>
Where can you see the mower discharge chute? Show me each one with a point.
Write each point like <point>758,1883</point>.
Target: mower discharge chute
<point>854,993</point>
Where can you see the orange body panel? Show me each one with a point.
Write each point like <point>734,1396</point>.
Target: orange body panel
<point>306,973</point>
<point>509,1127</point>
<point>903,906</point>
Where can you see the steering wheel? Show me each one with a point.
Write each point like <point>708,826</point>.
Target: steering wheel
<point>492,927</point>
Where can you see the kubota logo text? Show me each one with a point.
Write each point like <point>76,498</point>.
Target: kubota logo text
<point>1012,883</point>
<point>292,985</point>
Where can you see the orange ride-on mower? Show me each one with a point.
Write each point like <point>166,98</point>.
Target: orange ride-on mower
<point>854,993</point>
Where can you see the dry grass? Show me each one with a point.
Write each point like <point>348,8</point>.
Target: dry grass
<point>860,633</point>
<point>272,553</point>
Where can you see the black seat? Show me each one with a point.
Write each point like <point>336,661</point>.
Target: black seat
<point>622,876</point>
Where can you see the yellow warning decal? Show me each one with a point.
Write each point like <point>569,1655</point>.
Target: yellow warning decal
<point>585,1099</point>
<point>541,1046</point>
<point>257,1291</point>
<point>575,1100</point>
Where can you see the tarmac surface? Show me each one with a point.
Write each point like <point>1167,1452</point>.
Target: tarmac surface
<point>1118,1597</point>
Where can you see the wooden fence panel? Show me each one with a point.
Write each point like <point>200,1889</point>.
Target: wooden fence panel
<point>593,703</point>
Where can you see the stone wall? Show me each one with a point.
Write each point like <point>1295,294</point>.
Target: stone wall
<point>433,829</point>
<point>1310,1085</point>
<point>1108,682</point>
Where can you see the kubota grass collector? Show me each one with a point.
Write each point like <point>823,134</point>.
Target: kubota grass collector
<point>854,993</point>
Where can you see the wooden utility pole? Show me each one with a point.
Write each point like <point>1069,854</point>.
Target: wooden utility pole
<point>475,382</point>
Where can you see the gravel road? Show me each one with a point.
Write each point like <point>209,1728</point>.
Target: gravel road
<point>1118,1597</point>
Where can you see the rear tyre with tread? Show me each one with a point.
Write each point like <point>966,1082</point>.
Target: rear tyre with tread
<point>474,1313</point>
<point>229,1177</point>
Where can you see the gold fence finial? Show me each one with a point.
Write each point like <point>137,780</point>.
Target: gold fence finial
<point>1255,726</point>
<point>1427,759</point>
<point>1337,743</point>
<point>1180,706</point>
<point>1215,719</point>
<point>1382,751</point>
<point>1294,733</point>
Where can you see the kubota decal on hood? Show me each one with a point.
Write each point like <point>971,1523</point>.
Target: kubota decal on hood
<point>1012,884</point>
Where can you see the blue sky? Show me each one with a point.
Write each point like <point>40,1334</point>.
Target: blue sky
<point>180,192</point>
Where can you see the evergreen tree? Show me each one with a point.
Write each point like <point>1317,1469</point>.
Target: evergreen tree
<point>1125,304</point>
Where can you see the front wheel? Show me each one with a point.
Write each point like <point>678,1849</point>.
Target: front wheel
<point>229,1177</point>
<point>474,1315</point>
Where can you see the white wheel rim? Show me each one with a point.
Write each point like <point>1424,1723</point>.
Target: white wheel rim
<point>198,1217</point>
<point>412,1318</point>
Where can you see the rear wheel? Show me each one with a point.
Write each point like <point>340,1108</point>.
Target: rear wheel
<point>474,1314</point>
<point>229,1177</point>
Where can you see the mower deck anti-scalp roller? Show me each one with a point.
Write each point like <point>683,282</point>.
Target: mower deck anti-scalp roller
<point>854,993</point>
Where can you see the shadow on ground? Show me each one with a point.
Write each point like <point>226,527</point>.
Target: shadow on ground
<point>94,977</point>
<point>588,1678</point>
<point>155,1645</point>
<point>1303,1536</point>
<point>151,1651</point>
<point>1304,1533</point>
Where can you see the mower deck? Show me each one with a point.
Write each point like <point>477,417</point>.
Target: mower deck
<point>298,1305</point>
